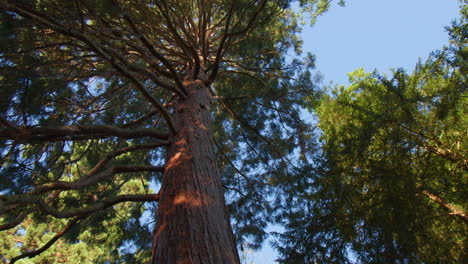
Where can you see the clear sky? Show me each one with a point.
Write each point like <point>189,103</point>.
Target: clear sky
<point>378,34</point>
<point>373,34</point>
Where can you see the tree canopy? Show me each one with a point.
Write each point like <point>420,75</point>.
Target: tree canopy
<point>106,103</point>
<point>392,185</point>
<point>90,91</point>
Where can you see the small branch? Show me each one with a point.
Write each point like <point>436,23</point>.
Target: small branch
<point>165,11</point>
<point>251,22</point>
<point>141,119</point>
<point>448,155</point>
<point>50,243</point>
<point>231,98</point>
<point>251,75</point>
<point>231,163</point>
<point>15,222</point>
<point>124,169</point>
<point>244,123</point>
<point>135,68</point>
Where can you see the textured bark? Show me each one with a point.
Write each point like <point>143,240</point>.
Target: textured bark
<point>192,220</point>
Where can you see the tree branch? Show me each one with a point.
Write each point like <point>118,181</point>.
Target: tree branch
<point>141,119</point>
<point>61,185</point>
<point>50,243</point>
<point>221,48</point>
<point>27,134</point>
<point>98,206</point>
<point>153,51</point>
<point>251,21</point>
<point>18,220</point>
<point>8,203</point>
<point>450,207</point>
<point>231,163</point>
<point>118,152</point>
<point>6,123</point>
<point>98,49</point>
<point>81,213</point>
<point>444,153</point>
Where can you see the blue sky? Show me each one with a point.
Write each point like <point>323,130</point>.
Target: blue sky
<point>373,34</point>
<point>377,34</point>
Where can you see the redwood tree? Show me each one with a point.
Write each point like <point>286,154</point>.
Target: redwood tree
<point>103,99</point>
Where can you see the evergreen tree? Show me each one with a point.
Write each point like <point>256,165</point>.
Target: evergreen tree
<point>392,186</point>
<point>103,100</point>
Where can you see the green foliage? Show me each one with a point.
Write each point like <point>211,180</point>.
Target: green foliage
<point>317,7</point>
<point>392,186</point>
<point>74,63</point>
<point>257,146</point>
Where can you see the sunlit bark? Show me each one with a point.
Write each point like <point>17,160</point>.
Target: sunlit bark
<point>191,204</point>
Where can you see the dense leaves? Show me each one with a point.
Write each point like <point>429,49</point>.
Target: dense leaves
<point>392,186</point>
<point>88,94</point>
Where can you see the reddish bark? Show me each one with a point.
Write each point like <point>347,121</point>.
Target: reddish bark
<point>192,219</point>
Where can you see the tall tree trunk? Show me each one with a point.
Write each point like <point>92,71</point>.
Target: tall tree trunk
<point>192,223</point>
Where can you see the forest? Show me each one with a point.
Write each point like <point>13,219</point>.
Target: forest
<point>178,131</point>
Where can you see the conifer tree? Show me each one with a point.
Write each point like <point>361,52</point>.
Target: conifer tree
<point>103,101</point>
<point>392,185</point>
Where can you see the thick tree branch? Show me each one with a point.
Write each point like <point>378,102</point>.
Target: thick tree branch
<point>98,206</point>
<point>8,203</point>
<point>28,134</point>
<point>6,123</point>
<point>221,48</point>
<point>61,185</point>
<point>450,207</point>
<point>444,153</point>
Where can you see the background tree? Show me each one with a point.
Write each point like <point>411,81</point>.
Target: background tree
<point>103,99</point>
<point>392,186</point>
